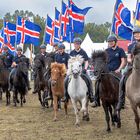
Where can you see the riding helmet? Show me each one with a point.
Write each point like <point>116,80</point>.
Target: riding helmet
<point>43,46</point>
<point>77,40</point>
<point>55,44</point>
<point>112,38</point>
<point>19,48</point>
<point>5,47</point>
<point>136,29</point>
<point>61,46</point>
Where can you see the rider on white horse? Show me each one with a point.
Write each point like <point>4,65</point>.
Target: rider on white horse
<point>79,51</point>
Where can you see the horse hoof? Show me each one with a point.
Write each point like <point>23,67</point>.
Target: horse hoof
<point>18,101</point>
<point>119,125</point>
<point>24,101</point>
<point>86,118</point>
<point>55,119</point>
<point>113,124</point>
<point>108,130</point>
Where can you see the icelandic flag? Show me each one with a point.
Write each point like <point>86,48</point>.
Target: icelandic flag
<point>49,31</point>
<point>9,32</point>
<point>27,32</point>
<point>137,15</point>
<point>77,17</point>
<point>121,23</point>
<point>65,26</point>
<point>1,40</point>
<point>57,26</point>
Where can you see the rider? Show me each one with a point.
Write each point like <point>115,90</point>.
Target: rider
<point>44,54</point>
<point>62,56</point>
<point>8,58</point>
<point>79,51</point>
<point>55,46</point>
<point>116,62</point>
<point>15,62</point>
<point>136,35</point>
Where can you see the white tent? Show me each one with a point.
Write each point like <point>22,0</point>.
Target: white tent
<point>87,45</point>
<point>49,48</point>
<point>28,53</point>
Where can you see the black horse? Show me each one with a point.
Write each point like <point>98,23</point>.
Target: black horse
<point>19,79</point>
<point>4,74</point>
<point>108,87</point>
<point>42,75</point>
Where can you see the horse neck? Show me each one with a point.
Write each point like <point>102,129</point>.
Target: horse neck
<point>75,81</point>
<point>136,77</point>
<point>40,74</point>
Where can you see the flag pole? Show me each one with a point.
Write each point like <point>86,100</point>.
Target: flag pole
<point>45,30</point>
<point>113,18</point>
<point>135,16</point>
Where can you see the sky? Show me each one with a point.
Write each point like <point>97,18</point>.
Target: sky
<point>101,12</point>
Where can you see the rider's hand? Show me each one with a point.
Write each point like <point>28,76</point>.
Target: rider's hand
<point>84,71</point>
<point>118,71</point>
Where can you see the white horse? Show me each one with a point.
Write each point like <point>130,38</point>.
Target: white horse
<point>77,88</point>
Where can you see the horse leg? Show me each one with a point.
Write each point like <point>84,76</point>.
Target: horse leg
<point>21,99</point>
<point>137,121</point>
<point>66,108</point>
<point>55,106</point>
<point>76,112</point>
<point>0,94</point>
<point>59,103</point>
<point>112,116</point>
<point>15,98</point>
<point>107,117</point>
<point>7,97</point>
<point>39,97</point>
<point>85,109</point>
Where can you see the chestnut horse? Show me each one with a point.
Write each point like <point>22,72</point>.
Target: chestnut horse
<point>58,72</point>
<point>133,86</point>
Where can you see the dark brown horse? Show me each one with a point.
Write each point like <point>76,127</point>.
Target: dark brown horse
<point>41,66</point>
<point>108,87</point>
<point>4,74</point>
<point>19,79</point>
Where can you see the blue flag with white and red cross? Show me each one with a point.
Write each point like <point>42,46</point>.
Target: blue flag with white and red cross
<point>57,26</point>
<point>27,32</point>
<point>9,33</point>
<point>77,17</point>
<point>49,31</point>
<point>1,40</point>
<point>121,23</point>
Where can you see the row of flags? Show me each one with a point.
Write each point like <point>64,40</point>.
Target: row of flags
<point>121,25</point>
<point>67,22</point>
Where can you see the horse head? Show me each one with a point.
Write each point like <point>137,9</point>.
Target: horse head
<point>49,59</point>
<point>75,66</point>
<point>23,65</point>
<point>99,59</point>
<point>58,71</point>
<point>136,54</point>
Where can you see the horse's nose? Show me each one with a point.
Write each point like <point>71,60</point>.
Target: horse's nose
<point>53,82</point>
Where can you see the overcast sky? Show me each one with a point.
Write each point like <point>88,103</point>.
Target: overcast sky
<point>101,12</point>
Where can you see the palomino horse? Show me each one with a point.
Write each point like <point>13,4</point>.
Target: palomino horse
<point>108,87</point>
<point>4,74</point>
<point>77,88</point>
<point>58,72</point>
<point>19,79</point>
<point>133,86</point>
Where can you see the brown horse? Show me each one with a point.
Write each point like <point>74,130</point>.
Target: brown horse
<point>4,74</point>
<point>133,86</point>
<point>58,72</point>
<point>108,87</point>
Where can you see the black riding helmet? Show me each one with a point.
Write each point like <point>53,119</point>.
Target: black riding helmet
<point>136,29</point>
<point>19,48</point>
<point>112,38</point>
<point>77,40</point>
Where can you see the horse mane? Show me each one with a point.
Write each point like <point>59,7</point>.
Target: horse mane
<point>99,54</point>
<point>61,67</point>
<point>136,49</point>
<point>78,58</point>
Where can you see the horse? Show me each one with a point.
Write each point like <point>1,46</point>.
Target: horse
<point>133,87</point>
<point>58,72</point>
<point>42,66</point>
<point>20,81</point>
<point>108,88</point>
<point>77,88</point>
<point>4,74</point>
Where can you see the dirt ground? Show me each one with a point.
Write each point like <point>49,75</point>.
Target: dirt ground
<point>32,122</point>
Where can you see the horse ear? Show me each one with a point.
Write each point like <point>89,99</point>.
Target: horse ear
<point>63,69</point>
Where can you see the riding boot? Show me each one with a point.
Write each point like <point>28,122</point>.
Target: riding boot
<point>121,100</point>
<point>49,97</point>
<point>66,95</point>
<point>89,85</point>
<point>10,81</point>
<point>28,82</point>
